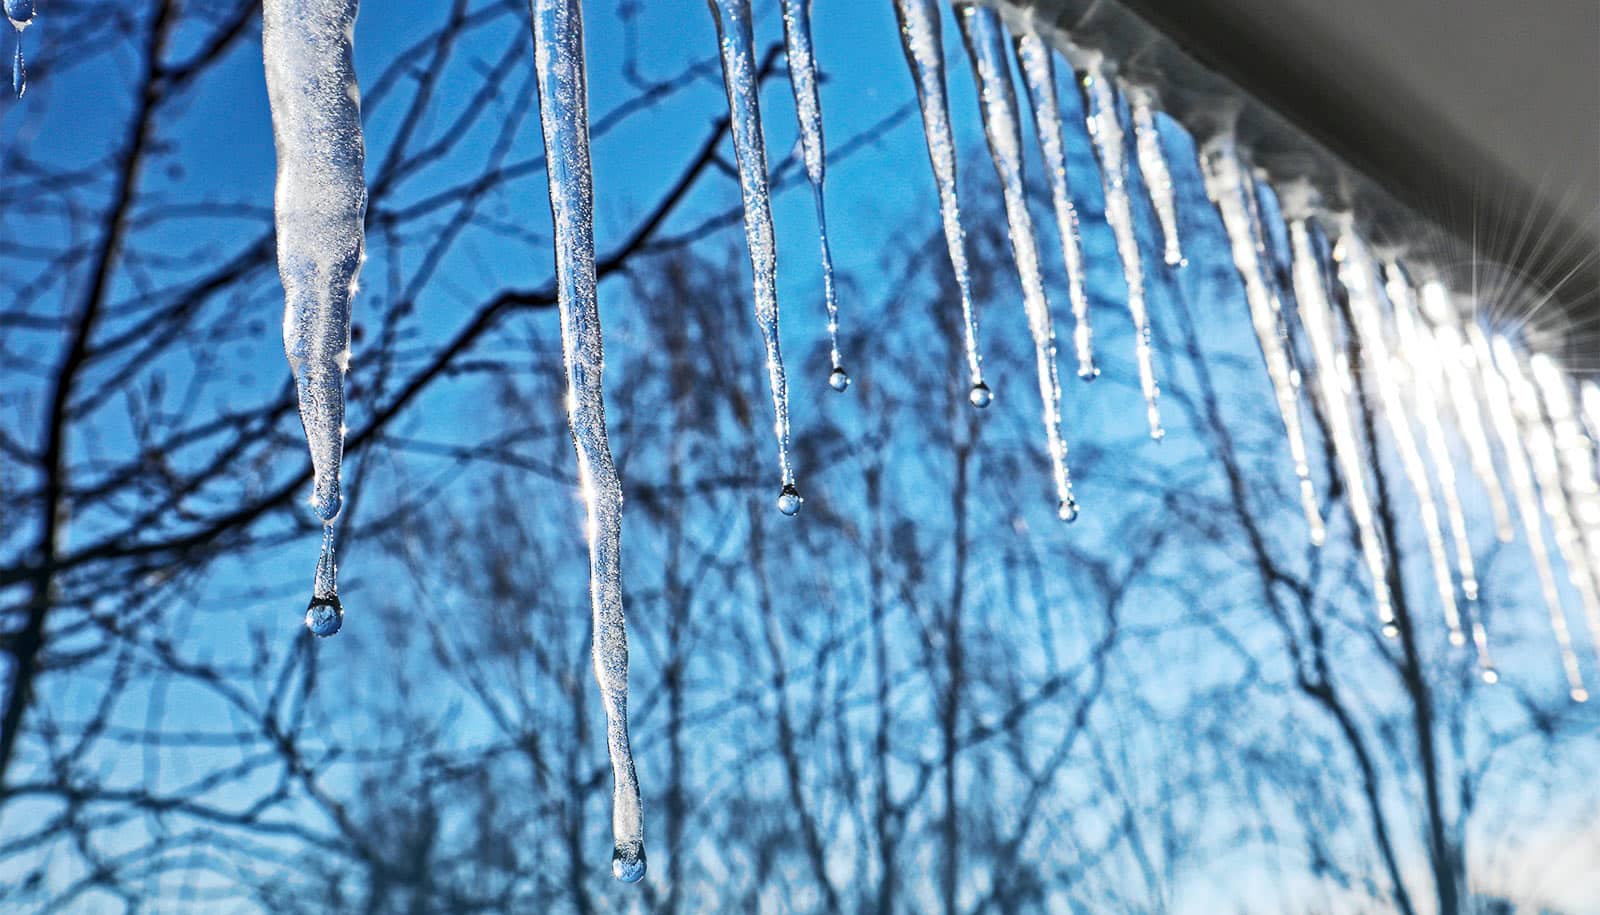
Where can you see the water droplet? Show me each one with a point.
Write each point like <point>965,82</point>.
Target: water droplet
<point>324,616</point>
<point>839,379</point>
<point>1089,373</point>
<point>1491,676</point>
<point>789,500</point>
<point>980,395</point>
<point>1580,694</point>
<point>1391,631</point>
<point>628,862</point>
<point>1457,638</point>
<point>1067,510</point>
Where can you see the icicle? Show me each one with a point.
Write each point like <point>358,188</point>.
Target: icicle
<point>564,116</point>
<point>1580,477</point>
<point>1038,71</point>
<point>1420,356</point>
<point>1333,383</point>
<point>325,614</point>
<point>1546,463</point>
<point>986,47</point>
<point>20,12</point>
<point>1504,416</point>
<point>1459,363</point>
<point>1228,187</point>
<point>1105,130</point>
<point>320,203</point>
<point>1153,166</point>
<point>924,49</point>
<point>737,48</point>
<point>1358,275</point>
<point>808,108</point>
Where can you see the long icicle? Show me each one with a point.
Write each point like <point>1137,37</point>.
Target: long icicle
<point>564,116</point>
<point>1580,477</point>
<point>1421,357</point>
<point>1546,464</point>
<point>320,203</point>
<point>1039,74</point>
<point>1333,380</point>
<point>920,37</point>
<point>808,109</point>
<point>1358,274</point>
<point>1227,184</point>
<point>737,48</point>
<point>986,47</point>
<point>1153,167</point>
<point>1105,130</point>
<point>1459,363</point>
<point>1504,417</point>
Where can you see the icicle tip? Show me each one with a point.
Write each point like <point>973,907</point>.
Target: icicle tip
<point>628,862</point>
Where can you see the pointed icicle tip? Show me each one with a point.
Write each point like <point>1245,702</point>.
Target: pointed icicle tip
<point>324,616</point>
<point>628,863</point>
<point>1579,694</point>
<point>980,396</point>
<point>789,500</point>
<point>1391,631</point>
<point>1491,676</point>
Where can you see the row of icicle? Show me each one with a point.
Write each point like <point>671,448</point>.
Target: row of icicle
<point>1545,427</point>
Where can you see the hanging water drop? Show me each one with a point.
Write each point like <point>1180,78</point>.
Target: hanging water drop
<point>980,396</point>
<point>924,49</point>
<point>789,501</point>
<point>808,109</point>
<point>986,47</point>
<point>20,13</point>
<point>320,205</point>
<point>1067,511</point>
<point>839,380</point>
<point>325,614</point>
<point>1039,74</point>
<point>1157,175</point>
<point>1105,130</point>
<point>564,118</point>
<point>736,46</point>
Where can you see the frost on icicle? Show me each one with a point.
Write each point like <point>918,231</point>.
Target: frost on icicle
<point>20,12</point>
<point>808,108</point>
<point>1333,381</point>
<point>924,49</point>
<point>1105,130</point>
<point>1358,274</point>
<point>1418,357</point>
<point>1230,187</point>
<point>737,49</point>
<point>1039,74</point>
<point>1503,414</point>
<point>564,116</point>
<point>1157,175</point>
<point>320,202</point>
<point>986,47</point>
<point>1460,368</point>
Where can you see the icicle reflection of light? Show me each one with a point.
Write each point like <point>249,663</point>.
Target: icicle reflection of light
<point>1504,416</point>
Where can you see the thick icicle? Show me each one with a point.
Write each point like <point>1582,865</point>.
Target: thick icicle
<point>320,203</point>
<point>808,108</point>
<point>1333,381</point>
<point>1460,365</point>
<point>1358,274</point>
<point>1503,414</point>
<point>1547,473</point>
<point>20,12</point>
<point>1039,73</point>
<point>564,116</point>
<point>924,49</point>
<point>1105,130</point>
<point>986,47</point>
<point>737,48</point>
<point>1153,166</point>
<point>1229,187</point>
<point>1420,356</point>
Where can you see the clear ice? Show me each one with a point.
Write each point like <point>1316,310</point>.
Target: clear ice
<point>986,46</point>
<point>320,203</point>
<point>1153,166</point>
<point>564,117</point>
<point>1105,130</point>
<point>808,108</point>
<point>1039,75</point>
<point>920,37</point>
<point>737,48</point>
